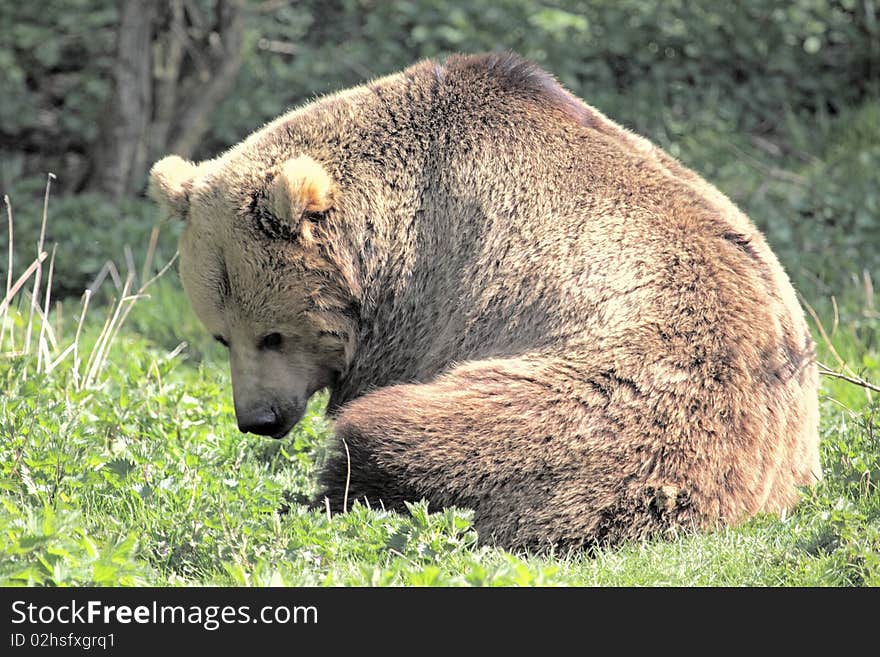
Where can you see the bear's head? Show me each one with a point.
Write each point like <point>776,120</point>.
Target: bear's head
<point>257,268</point>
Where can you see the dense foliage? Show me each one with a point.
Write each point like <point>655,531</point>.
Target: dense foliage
<point>754,83</point>
<point>744,65</point>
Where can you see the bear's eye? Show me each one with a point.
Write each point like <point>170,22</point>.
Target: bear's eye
<point>270,341</point>
<point>221,340</point>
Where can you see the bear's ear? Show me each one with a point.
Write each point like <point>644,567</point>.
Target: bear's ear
<point>302,185</point>
<point>170,180</point>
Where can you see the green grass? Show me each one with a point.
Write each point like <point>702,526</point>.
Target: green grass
<point>141,477</point>
<point>146,480</point>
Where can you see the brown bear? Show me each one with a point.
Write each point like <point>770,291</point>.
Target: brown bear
<point>518,307</point>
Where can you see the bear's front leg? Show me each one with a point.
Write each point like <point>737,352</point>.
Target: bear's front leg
<point>506,438</point>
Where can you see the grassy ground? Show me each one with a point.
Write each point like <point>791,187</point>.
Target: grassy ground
<point>130,470</point>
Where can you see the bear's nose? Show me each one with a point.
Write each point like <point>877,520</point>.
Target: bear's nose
<point>263,421</point>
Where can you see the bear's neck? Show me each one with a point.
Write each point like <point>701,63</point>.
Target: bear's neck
<point>446,247</point>
<point>427,255</point>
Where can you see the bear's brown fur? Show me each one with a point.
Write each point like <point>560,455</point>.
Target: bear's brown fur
<point>518,306</point>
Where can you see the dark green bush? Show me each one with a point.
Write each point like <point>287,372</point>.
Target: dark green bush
<point>649,64</point>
